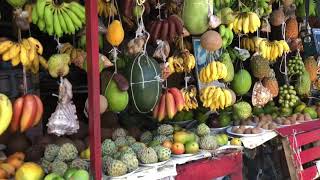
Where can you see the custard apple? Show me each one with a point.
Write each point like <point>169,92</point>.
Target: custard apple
<point>146,137</point>
<point>108,147</point>
<point>119,132</point>
<point>147,156</point>
<point>51,151</point>
<point>165,129</point>
<point>67,152</point>
<point>203,130</point>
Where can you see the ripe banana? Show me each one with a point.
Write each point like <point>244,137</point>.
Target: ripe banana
<point>213,71</point>
<point>215,97</point>
<point>5,112</point>
<point>185,62</point>
<point>246,22</point>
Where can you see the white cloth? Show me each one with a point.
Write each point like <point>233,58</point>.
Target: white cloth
<point>253,142</point>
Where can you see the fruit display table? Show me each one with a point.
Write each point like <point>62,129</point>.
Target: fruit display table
<point>207,169</point>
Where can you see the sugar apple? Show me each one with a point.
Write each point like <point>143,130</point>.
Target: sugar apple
<point>130,160</point>
<point>106,160</point>
<point>80,164</point>
<point>119,132</point>
<point>203,130</point>
<point>160,138</point>
<point>51,151</point>
<point>137,146</point>
<point>130,140</point>
<point>147,156</point>
<point>121,141</point>
<point>163,153</point>
<point>165,129</point>
<point>208,142</point>
<point>58,167</point>
<point>67,152</point>
<point>108,147</point>
<point>116,168</point>
<point>146,137</point>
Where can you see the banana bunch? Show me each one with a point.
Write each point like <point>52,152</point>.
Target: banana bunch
<point>264,7</point>
<point>246,22</point>
<point>182,63</point>
<point>106,9</point>
<point>58,19</point>
<point>27,52</point>
<point>272,50</point>
<point>226,35</point>
<point>250,44</point>
<point>219,4</point>
<point>190,98</point>
<point>213,71</point>
<point>215,97</point>
<point>77,55</point>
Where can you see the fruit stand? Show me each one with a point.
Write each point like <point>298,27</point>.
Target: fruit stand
<point>153,89</point>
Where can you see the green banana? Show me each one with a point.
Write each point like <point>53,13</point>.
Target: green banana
<point>76,21</point>
<point>78,11</point>
<point>56,24</point>
<point>40,8</point>
<point>62,22</point>
<point>222,30</point>
<point>41,24</point>
<point>230,38</point>
<point>79,6</point>
<point>69,23</point>
<point>48,17</point>
<point>34,15</point>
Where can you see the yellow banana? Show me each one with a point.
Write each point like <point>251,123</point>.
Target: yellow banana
<point>214,71</point>
<point>228,97</point>
<point>5,113</point>
<point>5,45</point>
<point>245,24</point>
<point>32,54</point>
<point>235,24</point>
<point>25,43</point>
<point>37,44</point>
<point>24,58</point>
<point>239,25</point>
<point>15,61</point>
<point>219,69</point>
<point>222,100</point>
<point>280,48</point>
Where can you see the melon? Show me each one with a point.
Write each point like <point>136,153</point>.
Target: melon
<point>195,15</point>
<point>117,99</point>
<point>145,87</point>
<point>241,82</point>
<point>311,66</point>
<point>211,40</point>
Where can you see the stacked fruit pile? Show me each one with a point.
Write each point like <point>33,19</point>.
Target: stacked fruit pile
<point>296,66</point>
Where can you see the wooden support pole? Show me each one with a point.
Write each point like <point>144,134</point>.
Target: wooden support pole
<point>93,76</point>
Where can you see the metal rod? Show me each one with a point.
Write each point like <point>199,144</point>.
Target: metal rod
<point>93,88</point>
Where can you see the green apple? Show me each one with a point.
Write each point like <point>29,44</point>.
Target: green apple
<point>192,147</point>
<point>52,176</point>
<point>80,175</point>
<point>69,173</point>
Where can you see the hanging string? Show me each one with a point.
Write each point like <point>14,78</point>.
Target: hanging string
<point>159,6</point>
<point>186,80</point>
<point>59,45</point>
<point>297,152</point>
<point>114,51</point>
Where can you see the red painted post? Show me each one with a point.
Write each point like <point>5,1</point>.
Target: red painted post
<point>93,76</point>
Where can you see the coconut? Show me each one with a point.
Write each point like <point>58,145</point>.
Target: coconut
<point>277,17</point>
<point>211,40</point>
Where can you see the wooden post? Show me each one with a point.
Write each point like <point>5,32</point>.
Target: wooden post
<point>288,154</point>
<point>93,76</point>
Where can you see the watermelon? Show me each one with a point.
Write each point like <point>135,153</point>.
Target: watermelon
<point>145,87</point>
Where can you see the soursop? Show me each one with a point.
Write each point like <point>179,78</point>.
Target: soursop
<point>58,167</point>
<point>260,67</point>
<point>130,140</point>
<point>116,168</point>
<point>130,160</point>
<point>163,153</point>
<point>51,151</point>
<point>67,152</point>
<point>146,137</point>
<point>165,129</point>
<point>242,110</point>
<point>147,156</point>
<point>108,147</point>
<point>80,164</point>
<point>303,85</point>
<point>137,146</point>
<point>208,142</point>
<point>119,132</point>
<point>203,129</point>
<point>121,141</point>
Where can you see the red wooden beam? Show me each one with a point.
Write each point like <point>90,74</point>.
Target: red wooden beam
<point>305,126</point>
<point>305,138</point>
<point>93,76</point>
